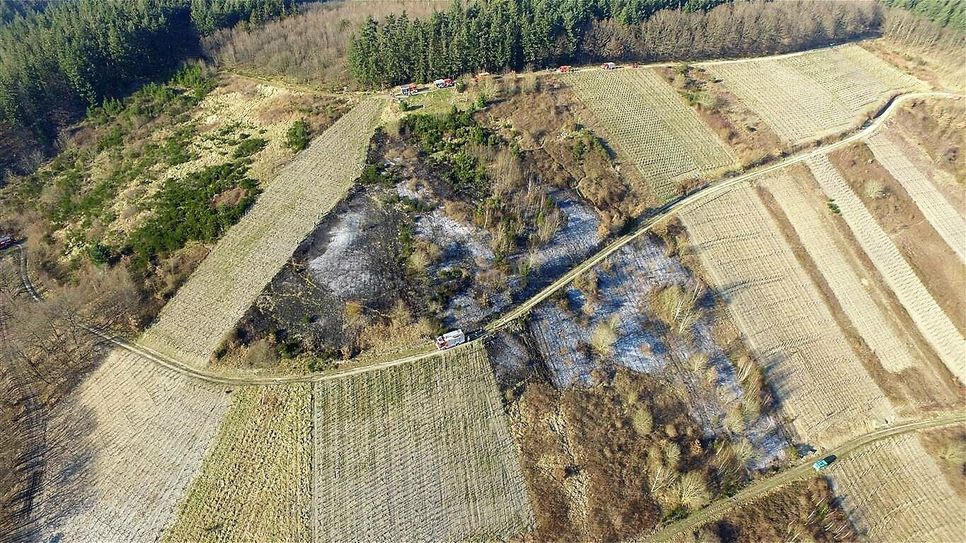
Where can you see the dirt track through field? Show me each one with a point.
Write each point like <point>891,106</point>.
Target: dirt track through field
<point>768,485</point>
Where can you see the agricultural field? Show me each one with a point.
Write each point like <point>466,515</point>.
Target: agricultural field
<point>255,481</point>
<point>815,94</point>
<point>893,490</point>
<point>418,451</point>
<point>651,124</point>
<point>870,320</point>
<point>948,222</point>
<point>123,449</point>
<point>824,390</point>
<point>194,323</point>
<point>935,325</point>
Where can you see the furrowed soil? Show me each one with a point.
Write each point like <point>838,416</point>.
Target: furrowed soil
<point>931,258</point>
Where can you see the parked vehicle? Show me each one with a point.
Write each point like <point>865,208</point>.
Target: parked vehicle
<point>444,83</point>
<point>565,69</point>
<point>450,339</point>
<point>824,463</point>
<point>409,89</point>
<point>608,66</point>
<point>6,240</point>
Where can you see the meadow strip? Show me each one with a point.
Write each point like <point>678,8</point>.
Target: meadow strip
<point>195,321</point>
<point>254,484</point>
<point>816,236</point>
<point>824,389</point>
<point>935,325</point>
<point>417,452</point>
<point>949,224</point>
<point>647,119</point>
<point>123,450</point>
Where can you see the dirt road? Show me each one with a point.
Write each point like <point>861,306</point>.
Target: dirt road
<point>669,210</point>
<point>719,508</point>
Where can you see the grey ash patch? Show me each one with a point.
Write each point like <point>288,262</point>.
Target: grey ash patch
<point>353,255</point>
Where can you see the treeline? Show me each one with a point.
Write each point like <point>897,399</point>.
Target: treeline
<point>951,13</point>
<point>498,35</point>
<point>12,9</point>
<point>56,63</point>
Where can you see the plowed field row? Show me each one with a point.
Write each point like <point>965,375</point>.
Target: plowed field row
<point>123,450</point>
<point>255,483</point>
<point>894,492</point>
<point>807,96</point>
<point>647,120</point>
<point>868,318</point>
<point>193,324</point>
<point>823,386</point>
<point>935,325</point>
<point>417,452</point>
<point>949,224</point>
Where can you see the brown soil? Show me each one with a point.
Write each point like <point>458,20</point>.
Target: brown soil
<point>550,121</point>
<point>742,129</point>
<point>803,511</point>
<point>937,127</point>
<point>586,464</point>
<point>934,262</point>
<point>924,387</point>
<point>948,447</point>
<point>940,69</point>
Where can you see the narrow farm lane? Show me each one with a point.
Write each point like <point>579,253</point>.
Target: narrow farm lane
<point>521,310</point>
<point>718,509</point>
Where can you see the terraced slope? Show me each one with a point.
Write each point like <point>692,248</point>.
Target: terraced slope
<point>868,318</point>
<point>935,325</point>
<point>824,389</point>
<point>255,483</point>
<point>193,324</point>
<point>813,94</point>
<point>123,450</point>
<point>646,118</point>
<point>417,452</point>
<point>934,206</point>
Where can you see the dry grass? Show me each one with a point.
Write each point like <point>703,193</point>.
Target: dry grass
<point>823,387</point>
<point>255,482</point>
<point>807,96</point>
<point>420,451</point>
<point>123,449</point>
<point>935,326</point>
<point>194,323</point>
<point>652,125</point>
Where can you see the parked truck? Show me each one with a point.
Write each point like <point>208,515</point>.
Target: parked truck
<point>450,339</point>
<point>409,89</point>
<point>444,83</point>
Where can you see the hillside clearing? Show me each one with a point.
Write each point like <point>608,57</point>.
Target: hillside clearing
<point>254,483</point>
<point>419,451</point>
<point>650,123</point>
<point>932,321</point>
<point>123,449</point>
<point>814,94</point>
<point>193,324</point>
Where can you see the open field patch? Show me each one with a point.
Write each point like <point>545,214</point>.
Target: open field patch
<point>419,451</point>
<point>652,125</point>
<point>122,450</point>
<point>892,490</point>
<point>935,325</point>
<point>814,94</point>
<point>869,319</point>
<point>255,481</point>
<point>193,324</point>
<point>823,388</point>
<point>947,221</point>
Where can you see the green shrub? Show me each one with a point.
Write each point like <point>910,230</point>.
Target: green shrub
<point>249,147</point>
<point>298,136</point>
